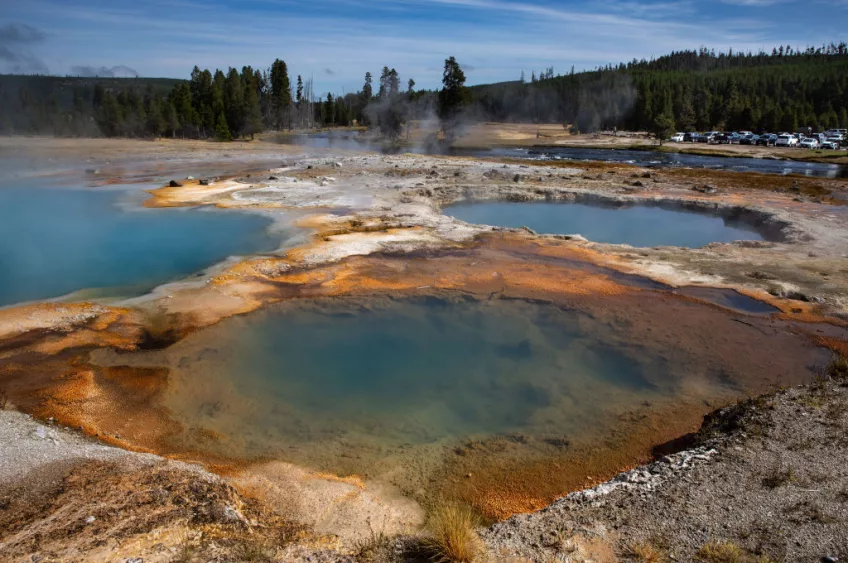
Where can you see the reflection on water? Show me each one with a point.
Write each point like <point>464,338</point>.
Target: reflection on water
<point>638,225</point>
<point>54,241</point>
<point>342,380</point>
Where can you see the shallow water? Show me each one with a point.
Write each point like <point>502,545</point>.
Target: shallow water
<point>637,225</point>
<point>341,383</point>
<point>652,159</point>
<point>353,140</point>
<point>54,241</point>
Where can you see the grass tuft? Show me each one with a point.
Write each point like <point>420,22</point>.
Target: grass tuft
<point>727,552</point>
<point>838,367</point>
<point>253,550</point>
<point>778,477</point>
<point>454,536</point>
<point>644,552</point>
<point>377,547</point>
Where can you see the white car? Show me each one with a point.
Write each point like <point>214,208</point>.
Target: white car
<point>829,145</point>
<point>786,141</point>
<point>677,138</point>
<point>809,143</point>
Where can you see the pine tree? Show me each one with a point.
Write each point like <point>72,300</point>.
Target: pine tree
<point>394,83</point>
<point>280,94</point>
<point>222,131</point>
<point>252,110</point>
<point>367,90</point>
<point>663,126</point>
<point>453,96</point>
<point>299,90</point>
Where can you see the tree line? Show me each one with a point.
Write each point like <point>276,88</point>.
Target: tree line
<point>696,90</point>
<point>687,90</point>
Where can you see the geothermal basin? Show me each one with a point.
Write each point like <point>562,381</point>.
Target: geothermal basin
<point>636,225</point>
<point>58,240</point>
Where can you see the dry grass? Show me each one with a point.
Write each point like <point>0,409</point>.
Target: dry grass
<point>645,553</point>
<point>377,547</point>
<point>454,536</point>
<point>838,367</point>
<point>778,477</point>
<point>253,549</point>
<point>187,549</point>
<point>727,552</point>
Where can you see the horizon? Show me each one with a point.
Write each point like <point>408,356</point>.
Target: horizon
<point>337,41</point>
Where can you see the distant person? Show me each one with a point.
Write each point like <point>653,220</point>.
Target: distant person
<point>615,131</point>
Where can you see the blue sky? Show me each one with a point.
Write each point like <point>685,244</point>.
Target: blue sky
<point>337,41</point>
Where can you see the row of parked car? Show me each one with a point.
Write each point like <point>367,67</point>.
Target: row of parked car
<point>831,139</point>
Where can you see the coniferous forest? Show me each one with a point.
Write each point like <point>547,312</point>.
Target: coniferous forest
<point>698,90</point>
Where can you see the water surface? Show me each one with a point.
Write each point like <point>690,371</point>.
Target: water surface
<point>54,241</point>
<point>339,383</point>
<point>637,225</point>
<point>354,140</point>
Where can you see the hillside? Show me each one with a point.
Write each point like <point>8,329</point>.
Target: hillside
<point>694,90</point>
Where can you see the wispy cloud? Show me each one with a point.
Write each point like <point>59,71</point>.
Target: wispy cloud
<point>337,41</point>
<point>15,54</point>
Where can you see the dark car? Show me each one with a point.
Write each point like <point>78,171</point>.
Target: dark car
<point>749,140</point>
<point>690,137</point>
<point>721,139</point>
<point>706,138</point>
<point>766,139</point>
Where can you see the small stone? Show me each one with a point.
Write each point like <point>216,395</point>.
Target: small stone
<point>189,177</point>
<point>829,559</point>
<point>468,475</point>
<point>174,184</point>
<point>90,519</point>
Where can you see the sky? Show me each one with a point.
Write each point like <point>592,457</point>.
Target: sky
<point>337,41</point>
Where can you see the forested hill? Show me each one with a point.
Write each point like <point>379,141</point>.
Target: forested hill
<point>699,90</point>
<point>696,90</point>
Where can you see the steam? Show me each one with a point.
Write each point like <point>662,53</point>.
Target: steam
<point>15,57</point>
<point>120,71</point>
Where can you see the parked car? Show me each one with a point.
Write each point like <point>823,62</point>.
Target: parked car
<point>734,138</point>
<point>829,145</point>
<point>721,139</point>
<point>707,137</point>
<point>749,139</point>
<point>836,140</point>
<point>767,139</point>
<point>808,143</point>
<point>786,141</point>
<point>689,137</point>
<point>677,138</point>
